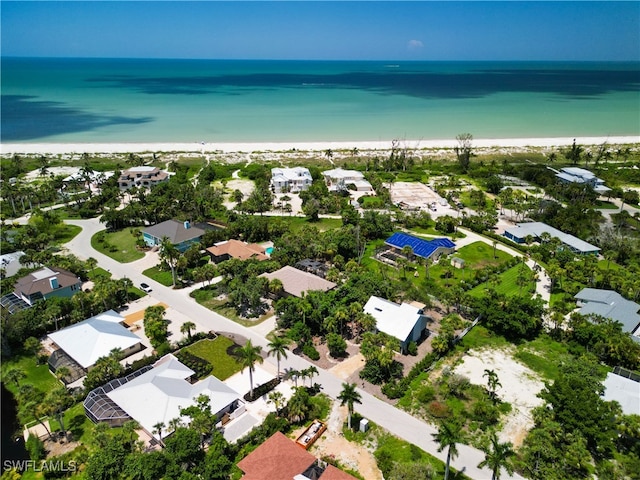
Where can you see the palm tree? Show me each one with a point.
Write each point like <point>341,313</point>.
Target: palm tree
<point>278,348</point>
<point>62,372</point>
<point>492,382</point>
<point>249,356</point>
<point>157,430</point>
<point>311,372</point>
<point>448,435</point>
<point>277,398</point>
<point>14,375</point>
<point>349,396</point>
<point>170,254</point>
<point>187,327</point>
<point>497,457</point>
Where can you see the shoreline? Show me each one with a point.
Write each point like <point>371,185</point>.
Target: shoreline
<point>247,147</point>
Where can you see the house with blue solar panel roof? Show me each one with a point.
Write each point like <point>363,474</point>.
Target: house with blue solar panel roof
<point>422,247</point>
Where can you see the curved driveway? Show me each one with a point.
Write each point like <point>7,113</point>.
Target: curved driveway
<point>387,416</point>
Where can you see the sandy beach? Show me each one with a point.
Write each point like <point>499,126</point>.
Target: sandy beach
<point>96,148</point>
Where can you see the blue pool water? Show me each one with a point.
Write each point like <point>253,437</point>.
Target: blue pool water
<point>268,250</point>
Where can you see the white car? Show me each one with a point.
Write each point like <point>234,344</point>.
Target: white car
<point>145,288</point>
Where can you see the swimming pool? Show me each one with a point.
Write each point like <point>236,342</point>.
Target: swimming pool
<point>268,250</point>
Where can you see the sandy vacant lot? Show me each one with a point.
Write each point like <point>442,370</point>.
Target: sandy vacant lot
<point>520,387</point>
<point>413,194</point>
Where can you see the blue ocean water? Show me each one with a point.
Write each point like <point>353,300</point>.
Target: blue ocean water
<point>149,100</point>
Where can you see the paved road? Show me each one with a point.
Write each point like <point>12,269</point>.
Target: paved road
<point>387,416</point>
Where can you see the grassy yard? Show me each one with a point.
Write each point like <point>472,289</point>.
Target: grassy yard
<point>478,255</point>
<point>207,297</point>
<point>119,245</point>
<point>216,352</point>
<point>323,224</point>
<point>65,233</point>
<point>161,276</point>
<point>97,273</point>
<point>507,286</point>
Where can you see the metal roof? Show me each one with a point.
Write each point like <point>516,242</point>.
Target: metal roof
<point>420,246</point>
<point>393,319</point>
<point>610,304</point>
<point>624,391</point>
<point>536,229</point>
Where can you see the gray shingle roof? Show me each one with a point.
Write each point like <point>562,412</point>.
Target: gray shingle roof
<point>175,231</point>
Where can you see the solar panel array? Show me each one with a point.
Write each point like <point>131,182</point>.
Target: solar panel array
<point>420,246</point>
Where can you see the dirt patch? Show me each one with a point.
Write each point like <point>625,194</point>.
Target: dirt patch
<point>351,455</point>
<point>520,386</point>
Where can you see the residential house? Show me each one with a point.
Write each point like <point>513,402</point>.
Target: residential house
<point>46,283</point>
<point>296,282</point>
<point>10,263</point>
<point>583,177</point>
<point>339,179</point>
<point>79,346</point>
<point>154,395</point>
<point>420,247</point>
<point>180,234</point>
<point>222,251</point>
<point>610,304</point>
<point>535,230</point>
<point>294,179</point>
<point>280,458</point>
<point>624,390</point>
<point>144,176</point>
<point>405,321</point>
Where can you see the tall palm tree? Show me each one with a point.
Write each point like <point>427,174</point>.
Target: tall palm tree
<point>349,396</point>
<point>249,356</point>
<point>496,457</point>
<point>187,327</point>
<point>170,254</point>
<point>311,372</point>
<point>278,348</point>
<point>449,434</point>
<point>157,429</point>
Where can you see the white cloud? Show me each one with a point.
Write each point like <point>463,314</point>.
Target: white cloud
<point>414,44</point>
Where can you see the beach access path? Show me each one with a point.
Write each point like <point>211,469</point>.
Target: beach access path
<point>387,416</point>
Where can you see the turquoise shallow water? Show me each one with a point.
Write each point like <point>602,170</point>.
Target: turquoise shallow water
<point>116,100</point>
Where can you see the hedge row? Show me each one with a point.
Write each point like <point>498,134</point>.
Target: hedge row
<point>261,390</point>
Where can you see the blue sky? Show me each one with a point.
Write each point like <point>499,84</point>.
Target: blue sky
<point>361,30</point>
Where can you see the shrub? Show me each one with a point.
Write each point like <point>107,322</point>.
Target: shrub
<point>311,352</point>
<point>336,344</point>
<point>261,390</point>
<point>426,394</point>
<point>35,447</point>
<point>412,348</point>
<point>438,409</point>
<point>484,412</point>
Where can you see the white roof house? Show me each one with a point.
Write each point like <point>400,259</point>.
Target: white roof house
<point>87,341</point>
<point>582,176</point>
<point>338,179</point>
<point>623,390</point>
<point>294,179</point>
<point>403,321</point>
<point>535,229</point>
<point>159,394</point>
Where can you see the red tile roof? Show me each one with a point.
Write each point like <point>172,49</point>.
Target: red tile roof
<point>278,458</point>
<point>238,249</point>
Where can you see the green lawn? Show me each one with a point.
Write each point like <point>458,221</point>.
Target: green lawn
<point>36,375</point>
<point>216,353</point>
<point>507,286</point>
<point>478,255</point>
<point>65,233</point>
<point>323,224</point>
<point>119,245</point>
<point>98,272</point>
<point>207,298</point>
<point>161,276</point>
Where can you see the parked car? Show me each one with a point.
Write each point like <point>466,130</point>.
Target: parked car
<point>145,288</point>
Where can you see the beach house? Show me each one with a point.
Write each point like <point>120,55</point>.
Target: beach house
<point>228,249</point>
<point>610,304</point>
<point>535,230</point>
<point>143,176</point>
<point>420,247</point>
<point>582,177</point>
<point>293,180</point>
<point>339,179</point>
<point>181,234</point>
<point>406,322</point>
